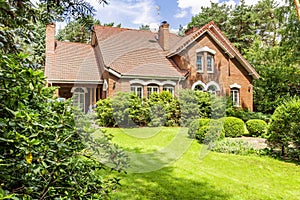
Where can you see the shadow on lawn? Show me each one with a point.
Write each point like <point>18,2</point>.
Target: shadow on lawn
<point>163,184</point>
<point>164,181</point>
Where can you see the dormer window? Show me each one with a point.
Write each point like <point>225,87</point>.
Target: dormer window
<point>205,60</point>
<point>199,62</point>
<point>210,63</point>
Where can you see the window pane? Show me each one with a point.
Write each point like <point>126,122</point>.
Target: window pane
<point>199,88</point>
<point>209,63</point>
<point>199,63</point>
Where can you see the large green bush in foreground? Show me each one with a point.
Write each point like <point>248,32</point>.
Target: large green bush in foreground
<point>284,129</point>
<point>45,153</point>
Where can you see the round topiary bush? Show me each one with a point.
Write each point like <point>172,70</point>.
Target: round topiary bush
<point>206,130</point>
<point>256,127</point>
<point>233,127</point>
<point>284,129</point>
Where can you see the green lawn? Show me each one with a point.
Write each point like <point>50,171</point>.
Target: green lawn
<point>165,164</point>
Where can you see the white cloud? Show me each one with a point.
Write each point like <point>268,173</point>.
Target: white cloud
<point>194,5</point>
<point>132,12</point>
<point>251,2</point>
<point>181,14</point>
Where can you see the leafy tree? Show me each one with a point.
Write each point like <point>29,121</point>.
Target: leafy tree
<point>144,27</point>
<point>80,30</point>
<point>284,129</point>
<point>43,155</point>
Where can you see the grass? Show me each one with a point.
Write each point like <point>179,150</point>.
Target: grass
<point>165,164</point>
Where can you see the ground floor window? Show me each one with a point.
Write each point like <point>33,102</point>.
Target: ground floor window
<point>152,89</point>
<point>138,90</point>
<point>199,88</point>
<point>169,89</point>
<point>235,93</point>
<point>212,89</point>
<point>79,98</point>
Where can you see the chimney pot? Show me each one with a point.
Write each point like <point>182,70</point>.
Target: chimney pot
<point>163,35</point>
<point>50,38</point>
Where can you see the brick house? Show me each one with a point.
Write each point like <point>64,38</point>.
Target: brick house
<point>121,59</point>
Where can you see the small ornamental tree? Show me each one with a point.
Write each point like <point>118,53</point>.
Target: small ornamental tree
<point>284,129</point>
<point>43,154</point>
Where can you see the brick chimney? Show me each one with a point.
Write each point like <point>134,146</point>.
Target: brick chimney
<point>50,38</point>
<point>191,30</point>
<point>163,35</point>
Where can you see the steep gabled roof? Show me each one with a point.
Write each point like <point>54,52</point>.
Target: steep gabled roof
<point>214,31</point>
<point>135,52</point>
<point>72,62</point>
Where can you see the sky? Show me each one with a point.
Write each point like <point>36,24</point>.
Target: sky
<point>134,13</point>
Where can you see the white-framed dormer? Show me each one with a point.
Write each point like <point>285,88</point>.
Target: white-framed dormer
<point>205,60</point>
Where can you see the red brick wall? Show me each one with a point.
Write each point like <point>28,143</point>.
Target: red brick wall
<point>227,71</point>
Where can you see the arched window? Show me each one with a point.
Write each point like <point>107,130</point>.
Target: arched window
<point>169,88</point>
<point>152,88</point>
<point>235,94</point>
<point>212,87</point>
<point>137,89</point>
<point>199,88</point>
<point>79,97</point>
<point>199,85</point>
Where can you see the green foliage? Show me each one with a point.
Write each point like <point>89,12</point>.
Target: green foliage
<point>246,115</point>
<point>231,146</point>
<point>163,109</point>
<point>144,27</point>
<point>43,154</point>
<point>104,113</point>
<point>194,105</point>
<point>233,127</point>
<point>206,130</point>
<point>257,127</point>
<point>80,30</point>
<point>284,129</point>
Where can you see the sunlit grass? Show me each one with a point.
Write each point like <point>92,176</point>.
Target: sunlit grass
<point>198,174</point>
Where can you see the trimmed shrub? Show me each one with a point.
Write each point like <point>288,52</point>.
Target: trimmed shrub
<point>206,130</point>
<point>246,115</point>
<point>233,127</point>
<point>284,129</point>
<point>233,146</point>
<point>256,127</point>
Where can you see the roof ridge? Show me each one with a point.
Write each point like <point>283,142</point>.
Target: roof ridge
<point>78,43</point>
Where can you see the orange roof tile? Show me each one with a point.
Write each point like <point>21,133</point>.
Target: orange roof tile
<point>72,62</point>
<point>135,52</point>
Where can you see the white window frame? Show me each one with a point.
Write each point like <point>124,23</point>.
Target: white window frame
<point>214,92</point>
<point>216,85</point>
<point>235,93</point>
<point>151,87</point>
<point>134,89</point>
<point>200,55</point>
<point>212,63</point>
<point>169,89</point>
<point>77,96</point>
